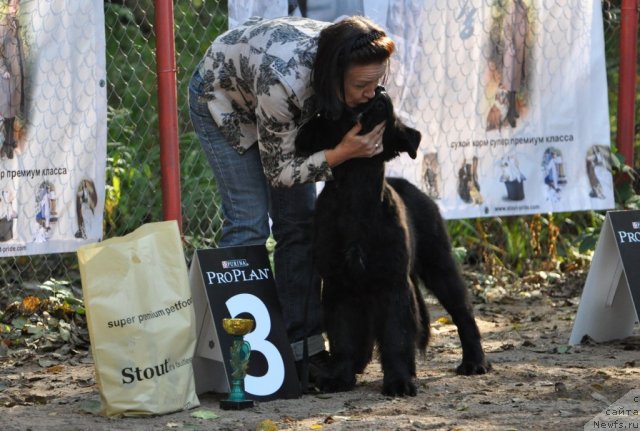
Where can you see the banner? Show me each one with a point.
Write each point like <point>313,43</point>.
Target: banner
<point>53,125</point>
<point>510,96</point>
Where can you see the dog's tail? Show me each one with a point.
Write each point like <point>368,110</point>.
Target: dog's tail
<point>423,327</point>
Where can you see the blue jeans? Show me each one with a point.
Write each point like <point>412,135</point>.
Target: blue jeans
<point>247,202</point>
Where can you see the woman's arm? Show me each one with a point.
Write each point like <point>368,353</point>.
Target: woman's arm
<point>353,145</point>
<point>277,131</point>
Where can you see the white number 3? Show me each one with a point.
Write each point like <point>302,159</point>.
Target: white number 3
<point>274,378</point>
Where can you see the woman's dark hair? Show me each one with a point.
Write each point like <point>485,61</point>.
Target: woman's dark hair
<point>352,41</point>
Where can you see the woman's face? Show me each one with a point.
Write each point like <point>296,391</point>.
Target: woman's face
<point>360,82</point>
<point>13,7</point>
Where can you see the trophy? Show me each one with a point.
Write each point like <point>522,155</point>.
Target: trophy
<point>239,361</point>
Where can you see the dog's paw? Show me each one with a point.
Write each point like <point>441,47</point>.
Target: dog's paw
<point>399,388</point>
<point>336,384</point>
<point>468,368</point>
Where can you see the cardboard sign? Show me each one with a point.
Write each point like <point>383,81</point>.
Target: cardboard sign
<point>238,282</point>
<point>610,303</point>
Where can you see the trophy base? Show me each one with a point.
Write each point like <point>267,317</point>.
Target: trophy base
<point>236,405</point>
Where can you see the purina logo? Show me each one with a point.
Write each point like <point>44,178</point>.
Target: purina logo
<point>635,224</point>
<point>235,263</point>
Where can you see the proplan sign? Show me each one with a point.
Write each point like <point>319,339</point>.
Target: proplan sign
<point>610,303</point>
<point>237,282</point>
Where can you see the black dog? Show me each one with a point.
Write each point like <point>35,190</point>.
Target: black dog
<point>375,240</point>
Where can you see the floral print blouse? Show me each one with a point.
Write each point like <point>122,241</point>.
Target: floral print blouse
<point>258,89</point>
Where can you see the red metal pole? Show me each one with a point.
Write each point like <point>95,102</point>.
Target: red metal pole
<point>627,83</point>
<point>168,111</point>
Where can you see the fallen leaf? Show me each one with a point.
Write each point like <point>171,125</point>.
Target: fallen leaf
<point>347,418</point>
<point>91,406</point>
<point>444,320</point>
<point>55,369</point>
<point>204,414</point>
<point>598,396</point>
<point>267,425</point>
<point>175,425</point>
<point>30,304</point>
<point>561,389</point>
<point>36,330</point>
<point>323,396</point>
<point>46,363</point>
<point>36,399</point>
<point>19,322</point>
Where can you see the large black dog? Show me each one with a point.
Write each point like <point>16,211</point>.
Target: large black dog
<point>375,240</point>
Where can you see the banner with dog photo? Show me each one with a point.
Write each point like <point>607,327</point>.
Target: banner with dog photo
<point>53,125</point>
<point>510,97</point>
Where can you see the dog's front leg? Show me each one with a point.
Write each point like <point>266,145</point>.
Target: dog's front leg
<point>349,329</point>
<point>396,333</point>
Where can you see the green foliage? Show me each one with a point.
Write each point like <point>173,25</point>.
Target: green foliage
<point>132,195</point>
<point>132,176</point>
<point>133,190</point>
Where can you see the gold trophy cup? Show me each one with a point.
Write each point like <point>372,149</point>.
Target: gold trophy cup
<point>239,361</point>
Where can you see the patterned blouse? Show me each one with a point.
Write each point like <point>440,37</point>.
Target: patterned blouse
<point>258,88</point>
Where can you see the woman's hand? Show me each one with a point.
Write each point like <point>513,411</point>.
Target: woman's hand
<point>353,145</point>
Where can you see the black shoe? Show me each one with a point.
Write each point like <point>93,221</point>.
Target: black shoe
<point>8,150</point>
<point>512,112</point>
<point>312,372</point>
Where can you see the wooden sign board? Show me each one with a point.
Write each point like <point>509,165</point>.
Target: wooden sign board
<point>610,303</point>
<point>238,282</point>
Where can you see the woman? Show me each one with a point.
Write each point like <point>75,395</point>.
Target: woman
<point>515,29</point>
<point>11,75</point>
<point>256,85</point>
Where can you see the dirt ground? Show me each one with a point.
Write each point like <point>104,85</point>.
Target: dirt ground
<point>538,381</point>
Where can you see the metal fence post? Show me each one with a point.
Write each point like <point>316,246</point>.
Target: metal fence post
<point>627,83</point>
<point>168,111</point>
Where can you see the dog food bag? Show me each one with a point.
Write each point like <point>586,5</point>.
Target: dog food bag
<point>141,321</point>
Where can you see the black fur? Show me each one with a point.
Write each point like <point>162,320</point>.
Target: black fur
<point>375,240</point>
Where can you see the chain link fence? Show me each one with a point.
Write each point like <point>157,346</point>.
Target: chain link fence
<point>133,193</point>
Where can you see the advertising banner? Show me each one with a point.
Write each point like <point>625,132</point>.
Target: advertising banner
<point>510,97</point>
<point>53,125</point>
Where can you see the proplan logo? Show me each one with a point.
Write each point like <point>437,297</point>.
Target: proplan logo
<point>235,263</point>
<point>623,414</point>
<point>232,273</point>
<point>630,236</point>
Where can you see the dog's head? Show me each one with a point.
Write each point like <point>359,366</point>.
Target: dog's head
<point>322,133</point>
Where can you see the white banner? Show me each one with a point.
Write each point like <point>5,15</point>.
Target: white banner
<point>510,95</point>
<point>53,127</point>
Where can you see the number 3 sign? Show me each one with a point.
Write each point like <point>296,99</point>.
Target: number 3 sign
<point>238,282</point>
